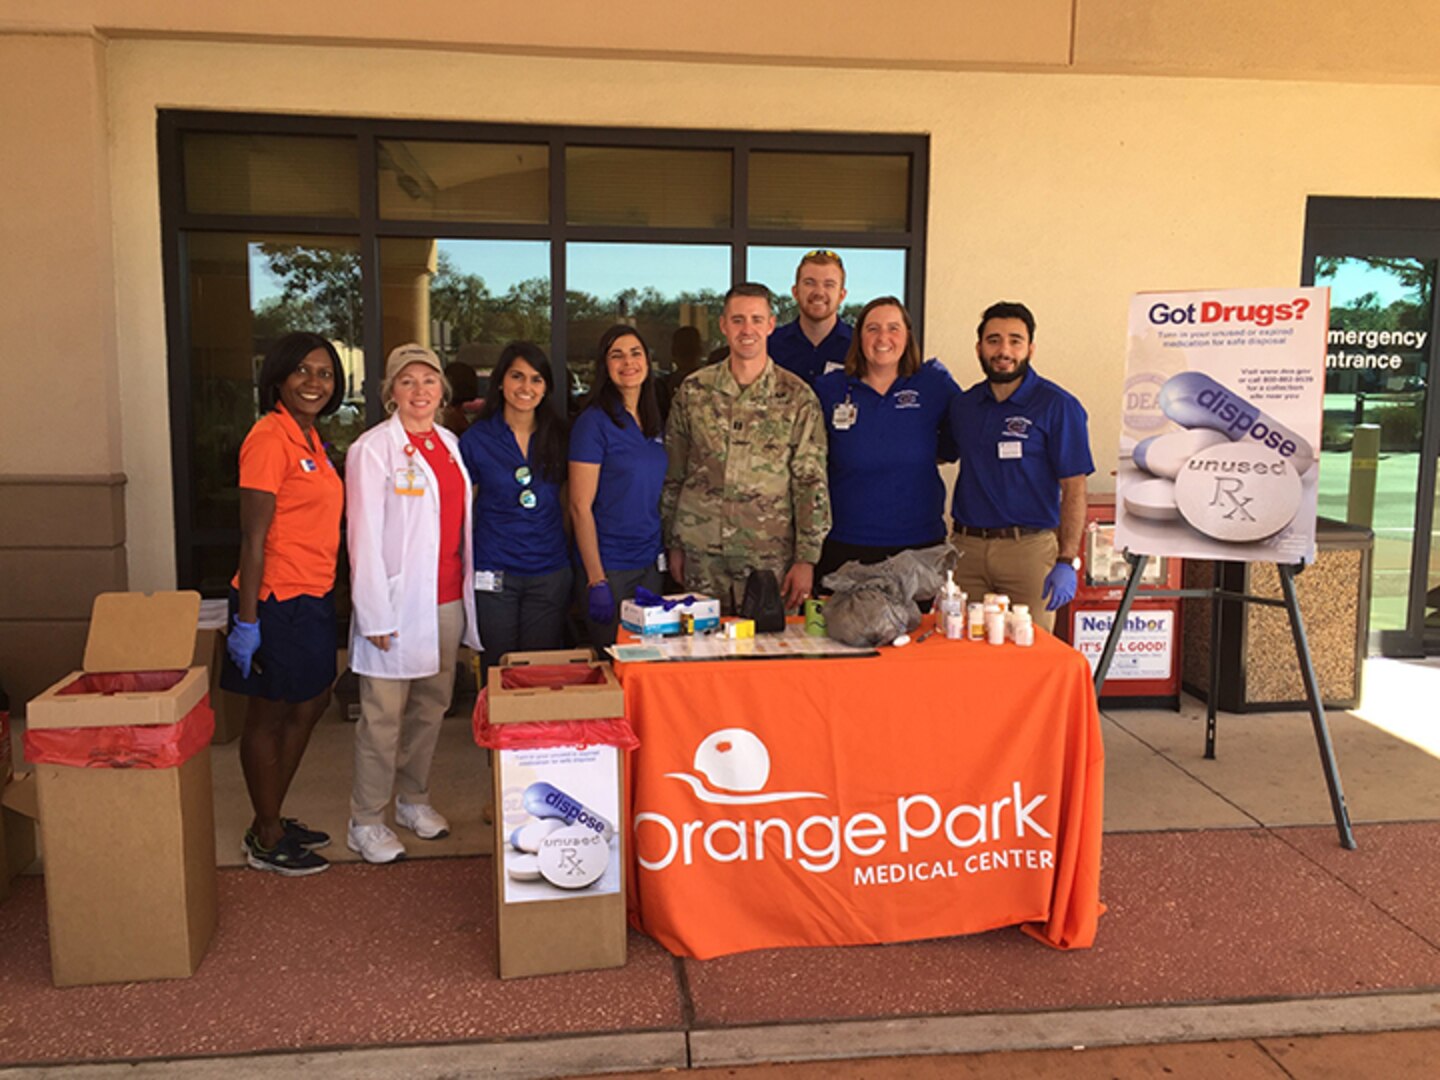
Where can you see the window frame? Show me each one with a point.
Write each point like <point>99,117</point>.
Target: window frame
<point>369,228</point>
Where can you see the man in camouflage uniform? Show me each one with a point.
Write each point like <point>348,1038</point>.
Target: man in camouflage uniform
<point>745,489</point>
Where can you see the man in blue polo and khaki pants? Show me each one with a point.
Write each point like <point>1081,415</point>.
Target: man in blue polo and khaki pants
<point>1019,506</point>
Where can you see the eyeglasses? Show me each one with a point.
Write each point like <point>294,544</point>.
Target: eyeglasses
<point>822,253</point>
<point>528,498</point>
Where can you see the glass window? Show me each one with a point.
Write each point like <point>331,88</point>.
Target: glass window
<point>869,272</point>
<point>465,298</point>
<point>1377,370</point>
<point>300,175</point>
<point>452,181</point>
<point>838,192</point>
<point>245,291</point>
<point>657,288</point>
<point>648,229</point>
<point>607,185</point>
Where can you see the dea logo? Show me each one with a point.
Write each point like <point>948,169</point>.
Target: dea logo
<point>1141,411</point>
<point>735,764</point>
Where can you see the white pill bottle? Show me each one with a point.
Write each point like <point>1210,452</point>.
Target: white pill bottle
<point>1022,626</point>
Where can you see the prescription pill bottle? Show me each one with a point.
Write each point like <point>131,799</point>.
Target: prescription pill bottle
<point>1022,627</point>
<point>976,617</point>
<point>994,624</point>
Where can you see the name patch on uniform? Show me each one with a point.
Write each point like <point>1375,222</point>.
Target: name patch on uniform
<point>907,399</point>
<point>1018,426</point>
<point>1011,449</point>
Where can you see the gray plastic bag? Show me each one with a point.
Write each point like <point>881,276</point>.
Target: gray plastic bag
<point>873,605</point>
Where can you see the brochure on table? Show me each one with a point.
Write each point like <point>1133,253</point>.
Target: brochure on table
<point>1220,424</point>
<point>793,644</point>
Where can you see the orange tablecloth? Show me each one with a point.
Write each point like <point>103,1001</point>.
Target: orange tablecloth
<point>941,788</point>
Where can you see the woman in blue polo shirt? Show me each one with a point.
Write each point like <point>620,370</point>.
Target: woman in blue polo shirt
<point>617,468</point>
<point>885,419</point>
<point>515,454</point>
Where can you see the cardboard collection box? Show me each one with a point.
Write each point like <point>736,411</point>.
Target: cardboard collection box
<point>129,852</point>
<point>229,708</point>
<point>659,620</point>
<point>542,929</point>
<point>17,829</point>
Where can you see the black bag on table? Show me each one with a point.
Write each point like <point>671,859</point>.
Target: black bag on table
<point>763,603</point>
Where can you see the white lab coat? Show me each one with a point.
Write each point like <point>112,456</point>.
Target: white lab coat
<point>394,543</point>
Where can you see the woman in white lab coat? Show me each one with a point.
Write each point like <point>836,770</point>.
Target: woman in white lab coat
<point>409,528</point>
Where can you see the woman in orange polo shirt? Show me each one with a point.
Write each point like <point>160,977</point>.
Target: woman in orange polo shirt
<point>282,637</point>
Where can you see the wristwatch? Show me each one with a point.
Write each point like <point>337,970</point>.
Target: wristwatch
<point>1074,563</point>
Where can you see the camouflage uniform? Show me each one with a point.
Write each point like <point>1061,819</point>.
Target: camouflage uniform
<point>746,485</point>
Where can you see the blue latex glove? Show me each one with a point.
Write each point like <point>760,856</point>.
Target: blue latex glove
<point>602,604</point>
<point>1059,588</point>
<point>242,642</point>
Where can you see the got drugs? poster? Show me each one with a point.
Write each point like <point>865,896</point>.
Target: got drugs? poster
<point>1220,424</point>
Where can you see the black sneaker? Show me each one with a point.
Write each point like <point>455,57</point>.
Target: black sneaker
<point>306,837</point>
<point>287,858</point>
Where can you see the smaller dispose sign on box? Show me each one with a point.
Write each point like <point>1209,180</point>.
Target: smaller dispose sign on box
<point>127,822</point>
<point>559,840</point>
<point>666,618</point>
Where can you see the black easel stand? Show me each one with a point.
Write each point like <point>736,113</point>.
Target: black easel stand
<point>1217,597</point>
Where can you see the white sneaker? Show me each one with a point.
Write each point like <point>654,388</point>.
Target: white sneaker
<point>422,819</point>
<point>375,843</point>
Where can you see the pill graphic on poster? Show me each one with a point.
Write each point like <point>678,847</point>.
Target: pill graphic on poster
<point>1194,400</point>
<point>545,800</point>
<point>1153,500</point>
<point>1238,492</point>
<point>528,836</point>
<point>1165,455</point>
<point>573,857</point>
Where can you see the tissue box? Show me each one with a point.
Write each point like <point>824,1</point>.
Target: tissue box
<point>663,620</point>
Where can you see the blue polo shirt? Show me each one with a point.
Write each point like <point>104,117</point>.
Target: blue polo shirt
<point>1013,453</point>
<point>627,501</point>
<point>508,536</point>
<point>791,349</point>
<point>885,487</point>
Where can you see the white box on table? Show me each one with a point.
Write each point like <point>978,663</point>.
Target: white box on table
<point>662,620</point>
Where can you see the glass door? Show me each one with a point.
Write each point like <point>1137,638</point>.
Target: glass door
<point>1381,432</point>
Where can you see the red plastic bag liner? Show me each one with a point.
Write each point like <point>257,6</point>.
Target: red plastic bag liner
<point>539,735</point>
<point>137,746</point>
<point>106,683</point>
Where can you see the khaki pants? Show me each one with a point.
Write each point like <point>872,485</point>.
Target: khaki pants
<point>399,727</point>
<point>1010,565</point>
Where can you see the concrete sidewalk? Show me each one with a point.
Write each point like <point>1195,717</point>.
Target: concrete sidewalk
<point>1233,914</point>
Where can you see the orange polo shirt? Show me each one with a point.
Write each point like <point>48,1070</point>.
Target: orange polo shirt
<point>304,536</point>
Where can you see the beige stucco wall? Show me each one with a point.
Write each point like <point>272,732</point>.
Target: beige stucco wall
<point>57,299</point>
<point>1341,40</point>
<point>1068,191</point>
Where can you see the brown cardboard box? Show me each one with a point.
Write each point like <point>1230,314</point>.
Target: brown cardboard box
<point>17,829</point>
<point>129,853</point>
<point>229,708</point>
<point>583,932</point>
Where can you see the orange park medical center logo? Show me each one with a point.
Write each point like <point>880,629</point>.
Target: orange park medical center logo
<point>728,813</point>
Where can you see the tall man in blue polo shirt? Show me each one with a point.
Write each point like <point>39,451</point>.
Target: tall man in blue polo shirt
<point>1019,506</point>
<point>818,339</point>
